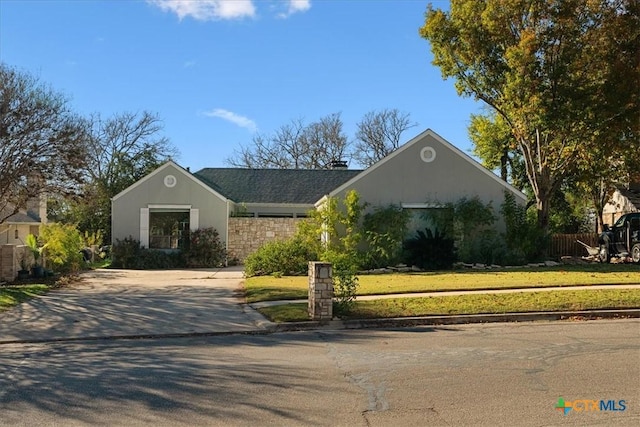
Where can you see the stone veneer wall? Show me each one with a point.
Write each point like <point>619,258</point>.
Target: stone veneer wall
<point>248,234</point>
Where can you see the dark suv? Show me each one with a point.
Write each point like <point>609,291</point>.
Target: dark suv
<point>623,239</point>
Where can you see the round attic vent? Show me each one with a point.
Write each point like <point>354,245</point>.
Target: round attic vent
<point>428,154</point>
<point>170,181</point>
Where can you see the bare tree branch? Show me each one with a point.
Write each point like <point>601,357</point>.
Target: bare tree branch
<point>379,134</point>
<point>296,146</point>
<point>42,143</point>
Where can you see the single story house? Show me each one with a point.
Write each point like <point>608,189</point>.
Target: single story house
<point>249,207</point>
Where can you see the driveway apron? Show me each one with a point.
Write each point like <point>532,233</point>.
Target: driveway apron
<point>117,303</point>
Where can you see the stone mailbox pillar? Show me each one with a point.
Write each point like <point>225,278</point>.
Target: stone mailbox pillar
<point>320,291</point>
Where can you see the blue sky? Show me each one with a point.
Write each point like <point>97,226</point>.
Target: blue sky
<point>217,71</point>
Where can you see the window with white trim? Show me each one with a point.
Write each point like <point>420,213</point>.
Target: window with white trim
<point>168,229</point>
<point>428,215</point>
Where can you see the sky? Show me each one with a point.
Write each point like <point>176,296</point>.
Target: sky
<point>218,72</point>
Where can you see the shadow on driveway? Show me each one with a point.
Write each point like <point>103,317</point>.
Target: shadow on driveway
<point>128,302</point>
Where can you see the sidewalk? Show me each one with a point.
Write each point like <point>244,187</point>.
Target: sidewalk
<point>261,304</point>
<point>454,319</point>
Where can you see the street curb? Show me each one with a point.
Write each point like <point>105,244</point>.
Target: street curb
<point>454,320</point>
<point>132,337</point>
<point>267,328</point>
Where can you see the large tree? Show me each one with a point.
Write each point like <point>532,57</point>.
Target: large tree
<point>379,134</point>
<point>125,147</point>
<point>495,145</point>
<point>296,145</point>
<point>121,150</point>
<point>42,142</point>
<point>562,74</point>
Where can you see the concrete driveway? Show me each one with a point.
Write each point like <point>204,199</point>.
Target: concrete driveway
<point>115,303</point>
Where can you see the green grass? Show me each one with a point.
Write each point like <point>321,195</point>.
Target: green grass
<point>101,263</point>
<point>562,300</point>
<point>268,288</point>
<point>14,295</point>
<point>295,312</point>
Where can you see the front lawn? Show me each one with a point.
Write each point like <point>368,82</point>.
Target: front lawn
<point>517,302</point>
<point>269,288</point>
<point>14,295</point>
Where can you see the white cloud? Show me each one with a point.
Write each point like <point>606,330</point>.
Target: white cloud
<point>207,10</point>
<point>295,6</point>
<point>232,117</point>
<point>189,64</point>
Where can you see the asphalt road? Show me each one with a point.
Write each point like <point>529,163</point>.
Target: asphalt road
<point>470,375</point>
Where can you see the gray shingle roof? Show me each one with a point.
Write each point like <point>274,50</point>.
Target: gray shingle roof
<point>274,185</point>
<point>22,217</point>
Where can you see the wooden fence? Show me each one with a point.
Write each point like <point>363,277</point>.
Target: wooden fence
<point>567,245</point>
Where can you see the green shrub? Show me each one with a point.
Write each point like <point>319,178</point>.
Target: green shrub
<point>288,257</point>
<point>126,253</point>
<point>154,259</point>
<point>430,250</point>
<point>345,281</point>
<point>487,247</point>
<point>384,230</point>
<point>205,249</point>
<point>525,241</point>
<point>63,244</point>
<point>93,239</point>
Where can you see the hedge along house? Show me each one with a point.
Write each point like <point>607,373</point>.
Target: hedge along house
<point>249,207</point>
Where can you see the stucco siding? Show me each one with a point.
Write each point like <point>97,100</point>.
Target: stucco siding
<point>8,233</point>
<point>407,178</point>
<point>153,191</point>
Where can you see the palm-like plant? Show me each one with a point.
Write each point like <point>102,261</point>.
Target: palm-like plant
<point>32,243</point>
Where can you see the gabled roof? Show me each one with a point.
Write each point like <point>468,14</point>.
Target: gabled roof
<point>168,164</point>
<point>444,142</point>
<point>22,218</point>
<point>275,185</point>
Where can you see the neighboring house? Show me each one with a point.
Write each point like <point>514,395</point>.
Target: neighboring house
<point>15,228</point>
<point>251,206</point>
<point>14,231</point>
<point>623,200</point>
